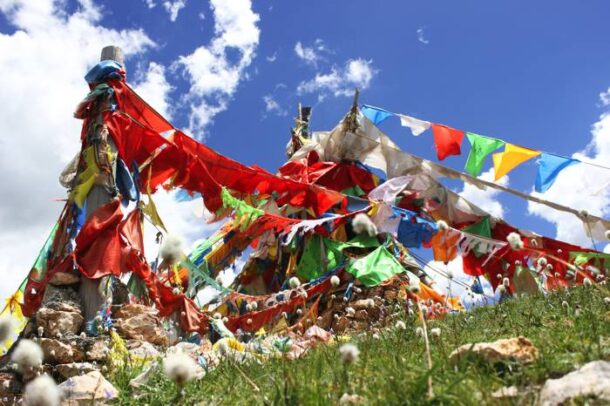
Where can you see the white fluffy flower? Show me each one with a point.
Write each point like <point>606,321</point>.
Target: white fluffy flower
<point>435,332</point>
<point>350,311</point>
<point>400,325</point>
<point>442,225</point>
<point>172,249</point>
<point>7,326</point>
<point>515,241</point>
<point>362,224</point>
<point>27,355</point>
<point>541,262</point>
<point>607,300</point>
<point>587,282</point>
<point>419,332</point>
<point>506,282</point>
<point>335,281</point>
<point>349,353</point>
<point>179,367</point>
<point>42,391</point>
<point>294,282</point>
<point>502,289</point>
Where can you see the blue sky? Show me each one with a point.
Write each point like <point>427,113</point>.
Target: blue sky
<point>528,72</point>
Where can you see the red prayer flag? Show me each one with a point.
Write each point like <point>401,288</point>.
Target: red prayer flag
<point>447,140</point>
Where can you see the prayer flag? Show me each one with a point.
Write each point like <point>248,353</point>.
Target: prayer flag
<point>549,166</point>
<point>447,141</point>
<point>375,114</point>
<point>513,155</point>
<point>481,147</point>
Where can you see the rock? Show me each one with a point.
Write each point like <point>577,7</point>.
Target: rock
<point>58,352</point>
<point>142,350</point>
<point>517,349</point>
<point>593,379</point>
<point>361,315</point>
<point>74,369</point>
<point>59,322</point>
<point>10,387</point>
<point>187,348</point>
<point>131,310</point>
<point>64,278</point>
<point>341,324</point>
<point>91,388</point>
<point>361,304</point>
<point>96,349</point>
<point>143,327</point>
<point>54,295</point>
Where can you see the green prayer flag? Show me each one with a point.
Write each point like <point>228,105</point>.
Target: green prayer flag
<point>480,147</point>
<point>482,228</point>
<point>375,268</point>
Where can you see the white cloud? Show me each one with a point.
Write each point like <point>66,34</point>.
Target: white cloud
<point>150,3</point>
<point>173,8</point>
<point>340,81</point>
<point>46,59</point>
<point>486,199</point>
<point>272,58</point>
<point>273,107</point>
<point>604,97</point>
<point>581,186</point>
<point>154,88</point>
<point>421,36</point>
<point>311,55</point>
<point>215,71</point>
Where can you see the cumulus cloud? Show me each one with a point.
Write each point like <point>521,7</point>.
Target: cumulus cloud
<point>46,58</point>
<point>340,81</point>
<point>486,199</point>
<point>272,58</point>
<point>421,36</point>
<point>153,87</point>
<point>273,107</point>
<point>582,187</point>
<point>311,55</point>
<point>215,71</point>
<point>173,8</point>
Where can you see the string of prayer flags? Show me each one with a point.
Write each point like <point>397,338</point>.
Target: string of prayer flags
<point>513,156</point>
<point>375,114</point>
<point>447,140</point>
<point>549,166</point>
<point>416,125</point>
<point>481,147</point>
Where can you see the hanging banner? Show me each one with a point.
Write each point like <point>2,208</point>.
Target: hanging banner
<point>513,156</point>
<point>549,166</point>
<point>447,141</point>
<point>481,147</point>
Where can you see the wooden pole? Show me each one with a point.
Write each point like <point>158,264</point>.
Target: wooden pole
<point>91,297</point>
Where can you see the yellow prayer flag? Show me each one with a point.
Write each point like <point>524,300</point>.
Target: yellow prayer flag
<point>513,155</point>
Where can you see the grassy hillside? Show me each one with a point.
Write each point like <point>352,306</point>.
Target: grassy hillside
<point>392,366</point>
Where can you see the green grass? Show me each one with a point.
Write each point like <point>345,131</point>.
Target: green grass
<point>392,369</point>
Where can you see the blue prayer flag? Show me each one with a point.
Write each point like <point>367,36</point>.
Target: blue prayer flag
<point>549,166</point>
<point>375,114</point>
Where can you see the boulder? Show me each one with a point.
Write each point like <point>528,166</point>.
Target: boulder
<point>591,380</point>
<point>59,352</point>
<point>10,387</point>
<point>54,295</point>
<point>142,349</point>
<point>131,310</point>
<point>341,324</point>
<point>64,279</point>
<point>95,349</point>
<point>58,323</point>
<point>143,327</point>
<point>74,369</point>
<point>91,388</point>
<point>517,349</point>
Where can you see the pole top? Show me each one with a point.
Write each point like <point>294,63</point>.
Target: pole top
<point>112,53</point>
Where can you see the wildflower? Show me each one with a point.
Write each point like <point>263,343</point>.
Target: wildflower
<point>435,332</point>
<point>419,332</point>
<point>42,391</point>
<point>335,281</point>
<point>347,399</point>
<point>607,300</point>
<point>294,282</point>
<point>171,249</point>
<point>424,310</point>
<point>6,328</point>
<point>376,336</point>
<point>515,241</point>
<point>411,313</point>
<point>345,299</point>
<point>577,312</point>
<point>400,325</point>
<point>506,282</point>
<point>349,353</point>
<point>248,307</point>
<point>179,367</point>
<point>565,304</point>
<point>362,224</point>
<point>27,355</point>
<point>442,225</point>
<point>502,289</point>
<point>587,282</point>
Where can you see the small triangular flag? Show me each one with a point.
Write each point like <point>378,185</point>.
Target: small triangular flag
<point>447,141</point>
<point>481,147</point>
<point>549,166</point>
<point>513,155</point>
